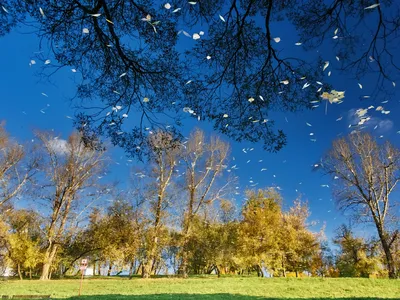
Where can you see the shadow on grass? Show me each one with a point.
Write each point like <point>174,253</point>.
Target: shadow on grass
<point>204,296</point>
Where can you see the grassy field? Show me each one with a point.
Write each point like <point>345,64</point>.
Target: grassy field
<point>235,288</point>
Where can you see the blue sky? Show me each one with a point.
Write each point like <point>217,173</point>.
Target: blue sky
<point>31,103</point>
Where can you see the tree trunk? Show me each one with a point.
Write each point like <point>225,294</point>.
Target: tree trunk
<point>388,254</point>
<point>48,260</point>
<point>30,273</point>
<point>145,270</point>
<point>99,268</point>
<point>109,270</point>
<point>19,271</point>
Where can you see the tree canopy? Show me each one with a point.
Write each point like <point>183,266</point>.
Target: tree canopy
<point>132,59</point>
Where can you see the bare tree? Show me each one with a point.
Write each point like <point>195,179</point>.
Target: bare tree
<point>367,174</point>
<point>15,168</point>
<point>204,162</point>
<point>163,156</point>
<point>69,167</point>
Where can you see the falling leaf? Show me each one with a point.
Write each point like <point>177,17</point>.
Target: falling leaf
<point>251,99</point>
<point>337,58</point>
<point>336,31</point>
<point>47,61</point>
<point>187,34</point>
<point>325,65</point>
<point>298,44</point>
<point>167,6</point>
<point>394,83</point>
<point>335,37</point>
<point>42,12</point>
<point>85,30</point>
<point>192,3</point>
<point>225,116</point>
<point>124,115</point>
<point>45,95</point>
<point>73,70</point>
<point>176,10</point>
<point>189,82</point>
<point>4,9</point>
<point>306,85</point>
<point>360,85</point>
<point>33,62</point>
<point>122,75</point>
<point>277,39</point>
<point>285,82</point>
<point>208,57</point>
<point>95,15</point>
<point>372,6</point>
<point>147,18</point>
<point>196,36</point>
<point>145,99</point>
<point>329,73</point>
<point>319,82</point>
<point>261,97</point>
<point>109,21</point>
<point>308,124</point>
<point>222,18</point>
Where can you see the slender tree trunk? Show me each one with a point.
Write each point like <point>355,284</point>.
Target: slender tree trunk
<point>109,270</point>
<point>99,268</point>
<point>388,253</point>
<point>30,273</point>
<point>19,271</point>
<point>48,260</point>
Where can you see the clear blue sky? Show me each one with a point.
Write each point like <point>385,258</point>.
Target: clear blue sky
<point>24,108</point>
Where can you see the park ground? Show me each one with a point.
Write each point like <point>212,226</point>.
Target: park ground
<point>235,288</point>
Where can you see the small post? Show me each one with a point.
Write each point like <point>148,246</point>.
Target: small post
<point>82,267</point>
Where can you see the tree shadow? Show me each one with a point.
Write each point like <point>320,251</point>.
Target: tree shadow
<point>220,296</point>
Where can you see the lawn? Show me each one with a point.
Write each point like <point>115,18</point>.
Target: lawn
<point>235,288</point>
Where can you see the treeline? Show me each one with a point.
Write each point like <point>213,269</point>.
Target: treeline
<point>178,217</point>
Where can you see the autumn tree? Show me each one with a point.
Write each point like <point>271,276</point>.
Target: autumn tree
<point>204,162</point>
<point>15,168</point>
<point>163,157</point>
<point>297,243</point>
<point>262,220</point>
<point>69,167</point>
<point>367,173</point>
<point>356,257</point>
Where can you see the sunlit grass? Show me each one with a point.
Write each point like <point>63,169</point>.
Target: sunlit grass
<point>239,288</point>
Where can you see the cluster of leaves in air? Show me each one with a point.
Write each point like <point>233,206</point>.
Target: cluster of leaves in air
<point>131,62</point>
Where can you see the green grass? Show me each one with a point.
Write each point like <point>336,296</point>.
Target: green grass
<point>235,288</point>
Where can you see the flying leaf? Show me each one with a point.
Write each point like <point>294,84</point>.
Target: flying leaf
<point>277,39</point>
<point>372,6</point>
<point>192,3</point>
<point>109,21</point>
<point>222,18</point>
<point>145,99</point>
<point>298,44</point>
<point>4,9</point>
<point>167,6</point>
<point>42,12</point>
<point>285,82</point>
<point>225,115</point>
<point>208,57</point>
<point>360,85</point>
<point>251,99</point>
<point>95,15</point>
<point>85,30</point>
<point>306,85</point>
<point>325,65</point>
<point>336,31</point>
<point>176,10</point>
<point>337,58</point>
<point>47,61</point>
<point>196,36</point>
